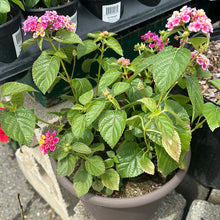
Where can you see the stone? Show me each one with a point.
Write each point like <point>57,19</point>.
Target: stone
<point>214,196</point>
<point>201,209</point>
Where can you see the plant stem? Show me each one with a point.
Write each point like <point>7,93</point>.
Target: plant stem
<point>55,126</point>
<point>100,65</point>
<point>20,206</point>
<point>198,125</point>
<point>130,105</point>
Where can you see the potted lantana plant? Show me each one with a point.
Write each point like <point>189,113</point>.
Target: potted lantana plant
<point>130,127</point>
<point>10,32</point>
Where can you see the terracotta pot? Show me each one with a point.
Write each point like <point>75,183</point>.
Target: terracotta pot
<point>137,208</point>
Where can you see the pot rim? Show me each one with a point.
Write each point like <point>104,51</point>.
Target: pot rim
<point>17,16</point>
<point>127,202</point>
<point>51,8</point>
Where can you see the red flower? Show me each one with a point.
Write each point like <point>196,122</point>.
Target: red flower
<point>3,136</point>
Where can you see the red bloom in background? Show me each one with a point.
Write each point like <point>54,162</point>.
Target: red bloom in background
<point>3,136</point>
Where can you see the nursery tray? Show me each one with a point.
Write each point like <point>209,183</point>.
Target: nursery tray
<point>134,13</point>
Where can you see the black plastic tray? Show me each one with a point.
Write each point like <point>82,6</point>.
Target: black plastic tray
<point>134,13</point>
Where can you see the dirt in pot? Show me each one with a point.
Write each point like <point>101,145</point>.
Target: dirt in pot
<point>209,91</point>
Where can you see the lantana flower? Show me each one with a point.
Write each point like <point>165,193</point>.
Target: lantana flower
<point>3,137</point>
<point>50,21</point>
<point>201,59</point>
<point>196,20</point>
<point>48,141</point>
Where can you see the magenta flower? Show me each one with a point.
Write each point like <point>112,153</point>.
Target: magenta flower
<point>123,61</point>
<point>48,141</point>
<point>201,59</point>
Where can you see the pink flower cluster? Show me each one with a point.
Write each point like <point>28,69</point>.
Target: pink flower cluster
<point>123,61</point>
<point>153,40</point>
<point>48,141</point>
<point>201,59</point>
<point>50,21</point>
<point>197,19</point>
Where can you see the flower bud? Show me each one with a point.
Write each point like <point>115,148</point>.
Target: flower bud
<point>140,86</point>
<point>185,34</point>
<point>74,53</point>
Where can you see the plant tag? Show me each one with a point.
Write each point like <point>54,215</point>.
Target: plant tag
<point>74,19</point>
<point>17,39</point>
<point>111,13</point>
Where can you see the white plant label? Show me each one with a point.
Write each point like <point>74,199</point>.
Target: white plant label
<point>74,19</point>
<point>111,13</point>
<point>17,39</point>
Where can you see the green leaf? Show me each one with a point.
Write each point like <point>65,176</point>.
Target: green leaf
<point>28,43</point>
<point>109,63</point>
<point>86,97</point>
<point>60,54</point>
<point>119,87</point>
<point>164,162</point>
<point>17,99</point>
<point>164,124</point>
<point>82,181</point>
<point>134,93</point>
<point>146,165</point>
<point>31,3</point>
<point>195,96</point>
<point>94,109</point>
<point>12,88</point>
<point>78,125</point>
<point>68,51</point>
<point>212,114</point>
<point>128,155</point>
<point>4,6</point>
<point>66,166</point>
<point>114,45</point>
<point>168,66</point>
<point>109,163</point>
<point>149,103</point>
<point>172,145</point>
<point>81,86</point>
<point>45,70</point>
<point>111,126</point>
<point>216,83</point>
<point>110,179</point>
<point>67,37</point>
<point>47,3</point>
<point>86,47</point>
<point>19,125</point>
<point>200,72</point>
<point>181,99</point>
<point>97,147</point>
<point>86,138</point>
<point>97,185</point>
<point>95,165</point>
<point>133,121</point>
<point>197,41</point>
<point>80,148</point>
<point>86,65</point>
<point>19,3</point>
<point>109,77</point>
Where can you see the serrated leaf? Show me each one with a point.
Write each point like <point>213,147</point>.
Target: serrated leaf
<point>200,72</point>
<point>86,97</point>
<point>216,83</point>
<point>128,156</point>
<point>197,41</point>
<point>109,163</point>
<point>212,114</point>
<point>109,77</point>
<point>146,165</point>
<point>86,65</point>
<point>66,166</point>
<point>58,154</point>
<point>78,125</point>
<point>80,148</point>
<point>82,181</point>
<point>97,147</point>
<point>172,145</point>
<point>195,96</point>
<point>12,88</point>
<point>164,124</point>
<point>19,125</point>
<point>168,66</point>
<point>181,99</point>
<point>133,121</point>
<point>45,70</point>
<point>114,45</point>
<point>4,6</point>
<point>97,185</point>
<point>110,179</point>
<point>68,51</point>
<point>111,126</point>
<point>86,47</point>
<point>60,54</point>
<point>17,99</point>
<point>149,103</point>
<point>94,109</point>
<point>134,93</point>
<point>95,165</point>
<point>31,3</point>
<point>119,87</point>
<point>28,43</point>
<point>164,162</point>
<point>67,37</point>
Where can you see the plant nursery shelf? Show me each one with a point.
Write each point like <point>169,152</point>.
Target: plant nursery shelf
<point>134,13</point>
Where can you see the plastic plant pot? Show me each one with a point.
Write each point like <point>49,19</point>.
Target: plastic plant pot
<point>10,39</point>
<point>108,11</point>
<point>150,2</point>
